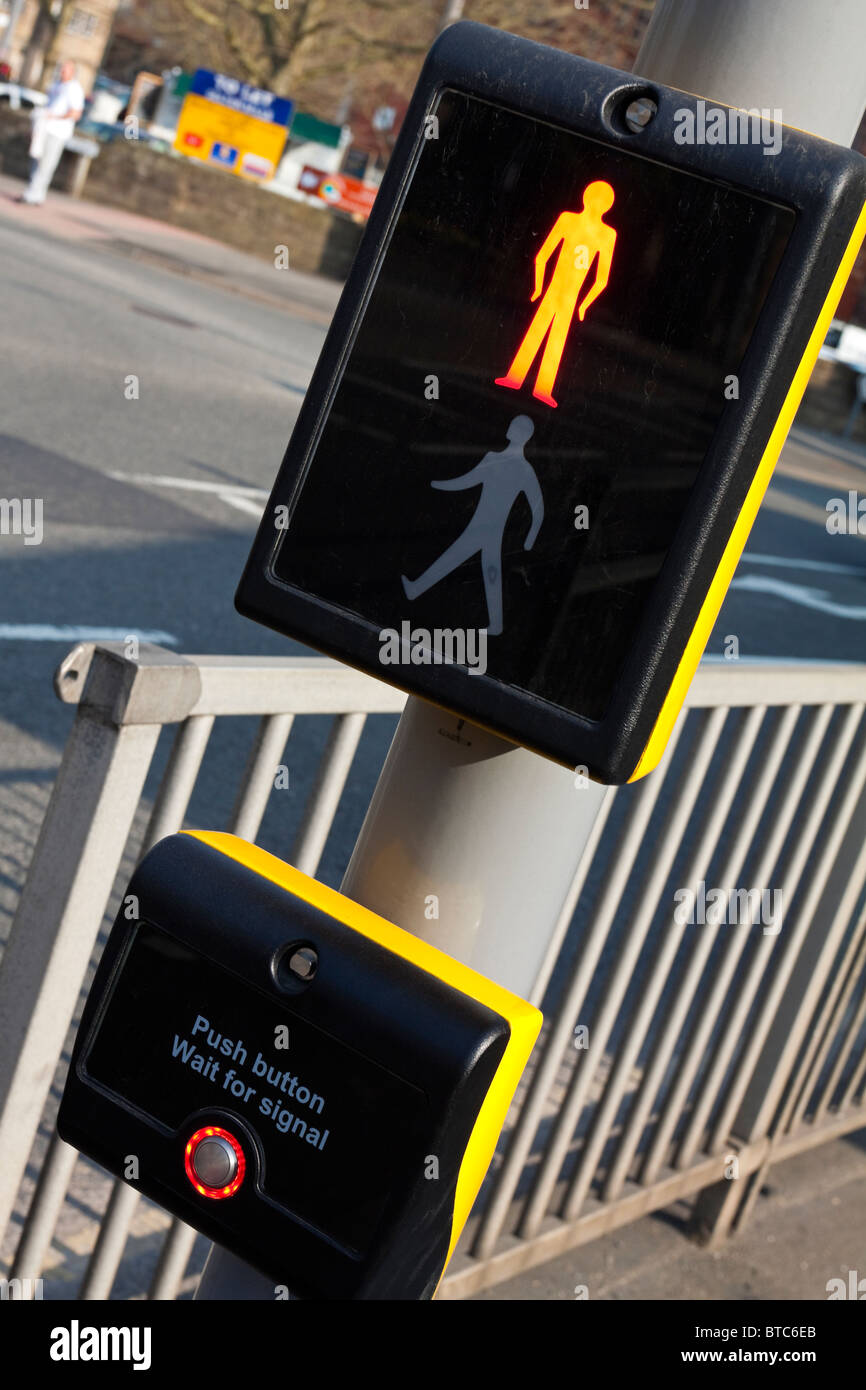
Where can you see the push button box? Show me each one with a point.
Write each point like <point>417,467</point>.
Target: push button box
<point>305,1083</point>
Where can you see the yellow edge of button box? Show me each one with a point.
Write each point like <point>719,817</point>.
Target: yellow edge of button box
<point>523,1019</point>
<point>715,596</point>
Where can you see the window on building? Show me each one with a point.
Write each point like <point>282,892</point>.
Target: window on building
<point>83,23</point>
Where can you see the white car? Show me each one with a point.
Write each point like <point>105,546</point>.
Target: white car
<point>21,98</point>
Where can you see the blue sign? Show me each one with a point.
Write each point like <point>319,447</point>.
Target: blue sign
<point>241,96</point>
<point>224,155</point>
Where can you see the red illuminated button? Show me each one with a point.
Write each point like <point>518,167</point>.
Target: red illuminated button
<point>214,1162</point>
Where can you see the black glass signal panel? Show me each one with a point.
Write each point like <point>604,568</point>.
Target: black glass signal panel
<point>639,394</point>
<point>574,515</point>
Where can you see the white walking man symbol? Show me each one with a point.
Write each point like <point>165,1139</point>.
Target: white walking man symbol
<point>503,477</point>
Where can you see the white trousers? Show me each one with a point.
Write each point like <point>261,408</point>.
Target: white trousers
<point>42,167</point>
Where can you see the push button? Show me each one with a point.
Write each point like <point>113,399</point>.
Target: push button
<point>214,1162</point>
<point>291,1083</point>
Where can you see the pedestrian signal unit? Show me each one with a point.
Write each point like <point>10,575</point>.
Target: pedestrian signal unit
<point>310,1086</point>
<point>552,396</point>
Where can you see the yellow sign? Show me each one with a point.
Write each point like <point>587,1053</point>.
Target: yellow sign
<point>230,125</point>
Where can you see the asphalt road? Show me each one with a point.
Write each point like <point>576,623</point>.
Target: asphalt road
<point>220,376</point>
<point>150,504</point>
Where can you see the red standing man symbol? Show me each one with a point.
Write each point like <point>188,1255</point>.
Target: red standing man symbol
<point>581,236</point>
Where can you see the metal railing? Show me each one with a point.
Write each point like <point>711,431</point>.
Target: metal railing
<point>679,1057</point>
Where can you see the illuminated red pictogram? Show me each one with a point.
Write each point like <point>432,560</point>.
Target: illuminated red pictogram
<point>581,236</point>
<point>214,1132</point>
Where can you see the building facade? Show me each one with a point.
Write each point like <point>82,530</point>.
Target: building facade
<point>37,38</point>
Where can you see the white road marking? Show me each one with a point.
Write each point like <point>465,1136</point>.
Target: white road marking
<point>242,504</point>
<point>798,593</point>
<point>190,484</point>
<point>789,562</point>
<point>48,632</point>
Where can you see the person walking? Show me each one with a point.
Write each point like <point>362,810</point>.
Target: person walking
<point>503,476</point>
<point>52,129</point>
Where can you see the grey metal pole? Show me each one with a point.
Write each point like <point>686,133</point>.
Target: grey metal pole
<point>471,844</point>
<point>452,12</point>
<point>802,57</point>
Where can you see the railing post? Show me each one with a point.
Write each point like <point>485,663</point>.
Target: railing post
<point>122,707</point>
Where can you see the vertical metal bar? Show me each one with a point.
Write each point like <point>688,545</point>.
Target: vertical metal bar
<point>732,1031</point>
<point>570,905</point>
<point>848,1042</point>
<point>683,803</point>
<point>258,780</point>
<point>715,1211</point>
<point>170,806</point>
<point>584,1072</point>
<point>788,1005</point>
<point>504,1183</point>
<point>249,809</point>
<point>71,875</point>
<point>178,780</point>
<point>108,1251</point>
<point>223,1271</point>
<point>805,1089</point>
<point>693,1051</point>
<point>757,1125</point>
<point>337,758</point>
<point>45,1208</point>
<point>697,870</point>
<point>681,806</point>
<point>859,1071</point>
<point>173,1260</point>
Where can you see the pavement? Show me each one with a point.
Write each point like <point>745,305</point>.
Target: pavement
<point>150,503</point>
<point>150,242</point>
<point>807,1227</point>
